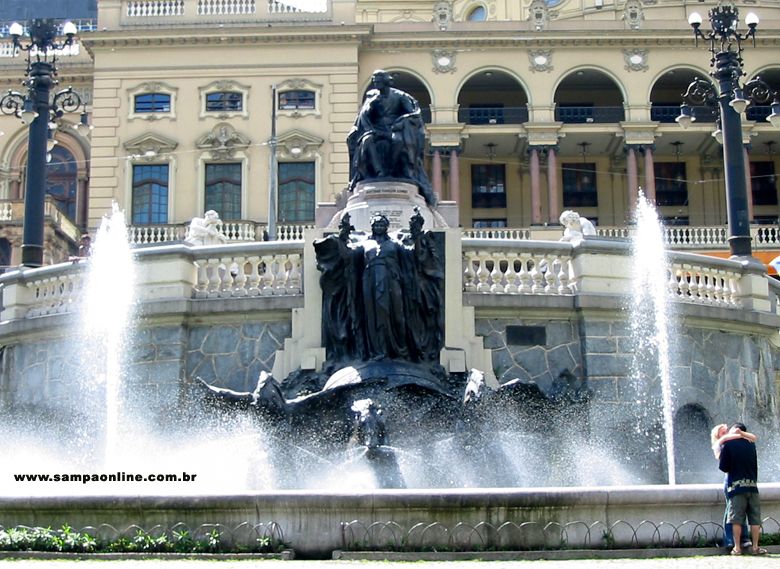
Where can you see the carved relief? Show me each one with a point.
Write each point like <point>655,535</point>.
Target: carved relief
<point>223,141</point>
<point>541,60</point>
<point>149,146</point>
<point>298,145</point>
<point>442,14</point>
<point>633,14</point>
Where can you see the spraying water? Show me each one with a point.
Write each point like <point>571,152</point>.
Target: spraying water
<point>650,321</point>
<point>109,294</point>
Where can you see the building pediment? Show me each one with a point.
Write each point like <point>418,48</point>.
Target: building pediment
<point>297,144</point>
<point>150,144</point>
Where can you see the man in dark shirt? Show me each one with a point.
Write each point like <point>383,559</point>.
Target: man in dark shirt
<point>739,461</point>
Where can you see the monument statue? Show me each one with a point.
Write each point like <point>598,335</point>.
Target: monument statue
<point>388,138</point>
<point>205,230</point>
<point>382,296</point>
<point>575,226</point>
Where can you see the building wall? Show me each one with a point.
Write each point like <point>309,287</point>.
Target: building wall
<point>587,49</point>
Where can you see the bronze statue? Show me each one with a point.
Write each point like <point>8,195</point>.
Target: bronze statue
<point>382,297</point>
<point>388,138</point>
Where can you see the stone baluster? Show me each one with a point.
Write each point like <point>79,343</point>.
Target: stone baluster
<point>672,284</point>
<point>254,275</point>
<point>549,274</point>
<point>497,275</point>
<point>267,278</point>
<point>226,276</point>
<point>564,286</point>
<point>280,282</point>
<point>294,278</point>
<point>536,277</point>
<point>524,277</point>
<point>469,276</point>
<point>214,280</point>
<point>511,275</point>
<point>482,273</point>
<point>239,288</point>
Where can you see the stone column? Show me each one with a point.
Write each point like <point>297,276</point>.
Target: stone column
<point>536,196</point>
<point>436,181</point>
<point>454,176</point>
<point>632,171</point>
<point>748,183</point>
<point>553,208</point>
<point>649,174</point>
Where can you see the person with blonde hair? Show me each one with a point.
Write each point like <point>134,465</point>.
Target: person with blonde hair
<point>720,435</point>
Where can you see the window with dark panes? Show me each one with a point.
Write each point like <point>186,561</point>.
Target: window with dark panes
<point>223,189</point>
<point>763,182</point>
<point>488,185</point>
<point>62,180</point>
<point>671,186</point>
<point>152,103</point>
<point>150,194</point>
<point>299,99</point>
<point>296,192</point>
<point>579,184</point>
<point>488,223</point>
<point>224,101</point>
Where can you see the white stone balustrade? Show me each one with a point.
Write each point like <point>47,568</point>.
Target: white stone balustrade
<point>154,8</point>
<point>261,271</point>
<point>489,267</point>
<point>150,234</point>
<point>712,284</point>
<point>225,7</point>
<point>496,233</point>
<point>185,12</point>
<point>502,267</point>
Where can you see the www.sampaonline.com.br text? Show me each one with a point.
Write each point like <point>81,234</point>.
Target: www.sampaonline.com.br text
<point>85,478</point>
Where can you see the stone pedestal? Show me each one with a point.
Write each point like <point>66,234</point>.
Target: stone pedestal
<point>393,198</point>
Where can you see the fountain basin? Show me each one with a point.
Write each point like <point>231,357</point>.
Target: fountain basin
<point>315,523</point>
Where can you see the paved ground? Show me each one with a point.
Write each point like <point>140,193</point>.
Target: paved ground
<point>771,561</point>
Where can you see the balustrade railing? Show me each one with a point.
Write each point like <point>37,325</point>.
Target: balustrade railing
<point>150,234</point>
<point>172,12</point>
<point>496,233</point>
<point>715,283</point>
<point>154,8</point>
<point>223,7</point>
<point>503,267</point>
<point>263,270</point>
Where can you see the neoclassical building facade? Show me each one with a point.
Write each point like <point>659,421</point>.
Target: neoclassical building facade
<point>531,108</point>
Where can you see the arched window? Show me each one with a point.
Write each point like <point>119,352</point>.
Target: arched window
<point>62,180</point>
<point>477,14</point>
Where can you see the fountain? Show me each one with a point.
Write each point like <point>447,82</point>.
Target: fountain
<point>650,326</point>
<point>383,413</point>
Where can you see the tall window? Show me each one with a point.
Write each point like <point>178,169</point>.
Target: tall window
<point>296,192</point>
<point>152,103</point>
<point>224,101</point>
<point>579,184</point>
<point>223,189</point>
<point>62,180</point>
<point>150,194</point>
<point>297,99</point>
<point>671,187</point>
<point>764,183</point>
<point>488,185</point>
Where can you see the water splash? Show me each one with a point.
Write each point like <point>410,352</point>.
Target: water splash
<point>109,299</point>
<point>650,327</point>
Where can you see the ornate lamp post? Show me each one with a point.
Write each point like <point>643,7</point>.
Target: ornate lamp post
<point>38,108</point>
<point>732,99</point>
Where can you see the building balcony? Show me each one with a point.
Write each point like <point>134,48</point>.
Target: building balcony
<point>137,13</point>
<point>669,113</point>
<point>479,115</point>
<point>589,114</point>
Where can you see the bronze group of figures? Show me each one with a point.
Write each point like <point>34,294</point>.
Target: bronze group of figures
<point>382,295</point>
<point>388,138</point>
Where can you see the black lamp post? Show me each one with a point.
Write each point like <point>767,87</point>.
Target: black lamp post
<point>732,99</point>
<point>37,108</point>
